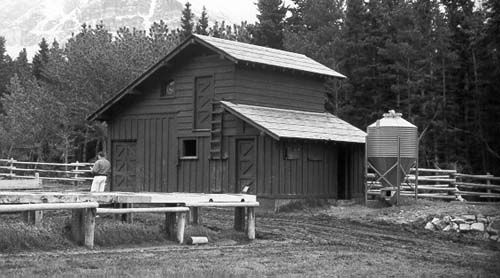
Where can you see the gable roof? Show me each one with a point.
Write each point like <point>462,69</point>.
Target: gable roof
<point>294,124</point>
<point>235,52</point>
<point>268,56</point>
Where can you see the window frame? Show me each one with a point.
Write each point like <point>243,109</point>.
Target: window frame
<point>182,148</point>
<point>164,87</point>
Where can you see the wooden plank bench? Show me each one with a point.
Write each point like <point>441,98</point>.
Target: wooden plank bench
<point>35,183</point>
<point>82,222</point>
<point>174,216</point>
<point>239,214</point>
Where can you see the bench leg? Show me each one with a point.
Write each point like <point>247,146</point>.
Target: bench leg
<point>239,219</point>
<point>127,217</point>
<point>194,213</point>
<point>76,226</point>
<point>33,217</point>
<point>251,223</point>
<point>181,224</point>
<point>170,224</point>
<point>88,227</point>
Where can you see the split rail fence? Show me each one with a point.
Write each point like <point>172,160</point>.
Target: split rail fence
<point>442,184</point>
<point>73,172</point>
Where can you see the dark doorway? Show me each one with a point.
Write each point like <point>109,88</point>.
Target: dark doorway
<point>245,164</point>
<point>124,166</point>
<point>342,172</point>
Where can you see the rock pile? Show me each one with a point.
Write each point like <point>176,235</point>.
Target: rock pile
<point>489,226</point>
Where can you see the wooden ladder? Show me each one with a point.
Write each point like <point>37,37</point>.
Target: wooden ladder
<point>216,131</point>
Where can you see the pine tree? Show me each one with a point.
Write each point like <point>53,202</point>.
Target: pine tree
<point>269,30</point>
<point>21,65</point>
<point>202,25</point>
<point>187,21</point>
<point>40,59</point>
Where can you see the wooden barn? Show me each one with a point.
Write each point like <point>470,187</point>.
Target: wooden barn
<point>217,115</point>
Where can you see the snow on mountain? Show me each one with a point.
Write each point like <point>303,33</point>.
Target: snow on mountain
<point>26,22</point>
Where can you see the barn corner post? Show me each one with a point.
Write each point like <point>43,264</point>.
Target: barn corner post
<point>398,174</point>
<point>365,178</point>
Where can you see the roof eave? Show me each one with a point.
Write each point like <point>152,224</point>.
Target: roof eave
<point>162,62</point>
<point>248,120</point>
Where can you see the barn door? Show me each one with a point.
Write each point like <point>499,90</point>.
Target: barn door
<point>204,93</point>
<point>245,164</point>
<point>124,166</point>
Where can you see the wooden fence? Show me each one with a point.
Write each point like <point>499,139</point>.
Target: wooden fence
<point>75,172</point>
<point>442,184</point>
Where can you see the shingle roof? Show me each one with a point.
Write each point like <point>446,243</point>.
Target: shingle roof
<point>234,51</point>
<point>285,123</point>
<point>269,56</point>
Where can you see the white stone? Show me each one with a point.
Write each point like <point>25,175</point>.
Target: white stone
<point>477,227</point>
<point>469,217</point>
<point>464,227</point>
<point>448,228</point>
<point>447,219</point>
<point>482,220</point>
<point>429,226</point>
<point>495,238</point>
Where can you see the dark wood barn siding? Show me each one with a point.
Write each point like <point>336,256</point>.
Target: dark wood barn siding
<point>155,144</point>
<point>356,162</point>
<point>277,89</point>
<point>159,123</point>
<point>277,176</point>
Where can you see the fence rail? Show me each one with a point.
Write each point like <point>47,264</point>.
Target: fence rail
<point>76,172</point>
<point>442,184</point>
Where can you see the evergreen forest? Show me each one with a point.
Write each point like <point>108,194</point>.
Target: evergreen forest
<point>435,61</point>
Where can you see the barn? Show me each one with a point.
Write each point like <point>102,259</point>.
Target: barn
<point>215,116</point>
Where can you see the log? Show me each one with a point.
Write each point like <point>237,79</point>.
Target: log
<point>194,217</point>
<point>478,177</point>
<point>251,223</point>
<point>478,185</point>
<point>434,170</point>
<point>47,206</point>
<point>140,210</point>
<point>223,204</point>
<point>181,224</point>
<point>88,227</point>
<point>198,240</point>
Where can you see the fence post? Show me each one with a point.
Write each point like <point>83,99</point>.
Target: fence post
<point>76,174</point>
<point>488,182</point>
<point>11,168</point>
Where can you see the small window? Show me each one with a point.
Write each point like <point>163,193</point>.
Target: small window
<point>168,89</point>
<point>189,148</point>
<point>293,151</point>
<point>315,152</point>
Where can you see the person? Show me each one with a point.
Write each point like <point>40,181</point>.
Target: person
<point>100,171</point>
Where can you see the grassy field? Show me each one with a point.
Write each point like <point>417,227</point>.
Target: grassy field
<point>342,241</point>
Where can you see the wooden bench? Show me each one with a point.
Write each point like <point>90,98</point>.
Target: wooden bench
<point>239,214</point>
<point>31,217</point>
<point>82,222</point>
<point>174,216</point>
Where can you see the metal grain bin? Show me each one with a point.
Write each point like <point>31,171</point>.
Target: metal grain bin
<point>382,146</point>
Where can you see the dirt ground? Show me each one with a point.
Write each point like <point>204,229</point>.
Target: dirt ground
<point>330,241</point>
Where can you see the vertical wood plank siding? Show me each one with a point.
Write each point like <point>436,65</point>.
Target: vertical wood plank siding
<point>158,125</point>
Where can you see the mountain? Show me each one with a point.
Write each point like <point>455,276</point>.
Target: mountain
<point>25,22</point>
